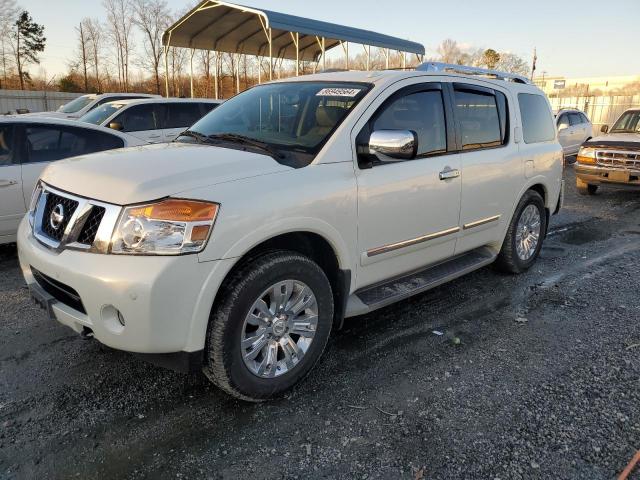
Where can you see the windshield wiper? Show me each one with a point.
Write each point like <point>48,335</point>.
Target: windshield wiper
<point>200,137</point>
<point>241,139</point>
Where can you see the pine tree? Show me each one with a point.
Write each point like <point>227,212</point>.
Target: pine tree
<point>28,43</point>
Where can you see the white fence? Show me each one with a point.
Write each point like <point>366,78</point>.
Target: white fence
<point>33,101</point>
<point>601,110</point>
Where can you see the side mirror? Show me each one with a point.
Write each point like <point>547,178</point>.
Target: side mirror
<point>393,144</point>
<point>604,128</point>
<point>116,126</point>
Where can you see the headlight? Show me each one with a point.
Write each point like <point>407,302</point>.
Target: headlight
<point>586,155</point>
<point>35,196</point>
<point>168,227</point>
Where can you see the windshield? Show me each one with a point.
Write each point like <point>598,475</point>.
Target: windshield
<point>77,104</point>
<point>629,122</point>
<point>98,115</point>
<point>292,118</point>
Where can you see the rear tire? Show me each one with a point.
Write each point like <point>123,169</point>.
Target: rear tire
<point>253,351</point>
<point>525,235</point>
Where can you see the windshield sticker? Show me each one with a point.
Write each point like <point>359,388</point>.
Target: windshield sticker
<point>338,92</point>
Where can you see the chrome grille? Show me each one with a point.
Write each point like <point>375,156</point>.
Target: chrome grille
<point>90,227</point>
<point>618,159</point>
<point>85,225</point>
<point>67,205</point>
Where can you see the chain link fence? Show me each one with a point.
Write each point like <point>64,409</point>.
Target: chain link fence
<point>601,110</point>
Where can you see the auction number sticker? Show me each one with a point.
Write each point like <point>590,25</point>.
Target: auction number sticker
<point>338,92</point>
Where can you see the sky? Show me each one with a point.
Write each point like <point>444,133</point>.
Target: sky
<point>585,38</point>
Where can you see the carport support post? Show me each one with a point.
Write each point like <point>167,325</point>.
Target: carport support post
<point>270,54</point>
<point>166,70</point>
<point>345,47</point>
<point>296,42</point>
<point>193,52</point>
<point>215,73</point>
<point>367,54</point>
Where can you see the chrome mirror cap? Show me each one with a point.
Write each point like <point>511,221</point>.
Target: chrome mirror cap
<point>393,144</point>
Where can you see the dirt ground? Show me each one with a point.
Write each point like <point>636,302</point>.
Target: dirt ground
<point>534,376</point>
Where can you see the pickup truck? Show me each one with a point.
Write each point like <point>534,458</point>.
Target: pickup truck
<point>612,158</point>
<point>239,247</point>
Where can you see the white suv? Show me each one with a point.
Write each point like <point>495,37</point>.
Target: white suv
<point>238,248</point>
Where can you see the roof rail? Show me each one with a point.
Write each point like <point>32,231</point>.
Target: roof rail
<point>434,67</point>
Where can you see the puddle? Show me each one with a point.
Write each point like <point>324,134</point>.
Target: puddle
<point>582,235</point>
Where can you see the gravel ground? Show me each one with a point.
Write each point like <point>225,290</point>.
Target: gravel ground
<point>535,376</point>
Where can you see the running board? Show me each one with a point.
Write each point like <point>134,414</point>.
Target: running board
<point>377,296</point>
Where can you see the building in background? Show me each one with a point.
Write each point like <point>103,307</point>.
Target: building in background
<point>557,86</point>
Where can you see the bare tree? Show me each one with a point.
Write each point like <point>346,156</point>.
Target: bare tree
<point>120,14</point>
<point>152,17</point>
<point>510,62</point>
<point>83,52</point>
<point>449,51</point>
<point>8,15</point>
<point>94,30</point>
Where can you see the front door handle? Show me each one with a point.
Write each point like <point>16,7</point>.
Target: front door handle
<point>8,183</point>
<point>449,173</point>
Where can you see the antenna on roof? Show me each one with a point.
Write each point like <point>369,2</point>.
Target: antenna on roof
<point>436,67</point>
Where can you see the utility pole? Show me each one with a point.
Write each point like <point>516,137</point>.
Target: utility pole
<point>533,64</point>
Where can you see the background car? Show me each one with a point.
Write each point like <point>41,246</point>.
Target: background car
<point>81,105</point>
<point>29,144</point>
<point>155,120</point>
<point>574,128</point>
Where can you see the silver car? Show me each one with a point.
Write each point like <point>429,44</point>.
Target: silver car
<point>574,128</point>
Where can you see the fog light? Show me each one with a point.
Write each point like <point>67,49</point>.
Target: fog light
<point>120,318</point>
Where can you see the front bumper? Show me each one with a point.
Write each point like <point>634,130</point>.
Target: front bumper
<point>598,174</point>
<point>164,301</point>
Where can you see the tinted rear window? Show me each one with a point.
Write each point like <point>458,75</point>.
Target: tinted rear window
<point>537,122</point>
<point>479,120</point>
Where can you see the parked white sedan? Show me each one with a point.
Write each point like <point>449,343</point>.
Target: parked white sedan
<point>154,120</point>
<point>29,144</point>
<point>574,128</point>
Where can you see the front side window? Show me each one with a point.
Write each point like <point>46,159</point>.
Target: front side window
<point>98,115</point>
<point>563,121</point>
<point>478,119</point>
<point>537,121</point>
<point>421,112</point>
<point>49,143</point>
<point>6,145</point>
<point>138,118</point>
<point>293,118</point>
<point>629,122</point>
<point>77,104</point>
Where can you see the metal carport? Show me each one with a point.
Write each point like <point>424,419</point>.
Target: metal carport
<point>226,27</point>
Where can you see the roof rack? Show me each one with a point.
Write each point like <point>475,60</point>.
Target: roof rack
<point>434,67</point>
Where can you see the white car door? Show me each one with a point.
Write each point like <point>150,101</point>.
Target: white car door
<point>12,206</point>
<point>179,117</point>
<point>141,121</point>
<point>580,129</point>
<point>408,211</point>
<point>564,133</point>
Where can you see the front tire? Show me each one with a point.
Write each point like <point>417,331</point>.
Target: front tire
<point>270,326</point>
<point>525,235</point>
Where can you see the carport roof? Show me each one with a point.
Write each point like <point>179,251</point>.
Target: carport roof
<point>227,27</point>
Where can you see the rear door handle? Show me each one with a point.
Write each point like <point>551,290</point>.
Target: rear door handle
<point>449,173</point>
<point>8,183</point>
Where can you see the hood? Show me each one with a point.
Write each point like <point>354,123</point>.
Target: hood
<point>616,140</point>
<point>141,174</point>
